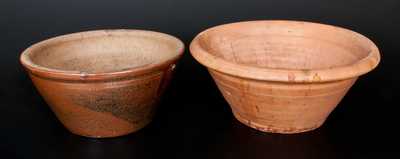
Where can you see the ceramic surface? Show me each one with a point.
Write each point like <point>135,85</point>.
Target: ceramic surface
<point>103,83</point>
<point>283,76</point>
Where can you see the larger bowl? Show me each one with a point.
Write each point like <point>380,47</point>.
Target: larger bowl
<point>283,76</point>
<point>103,83</point>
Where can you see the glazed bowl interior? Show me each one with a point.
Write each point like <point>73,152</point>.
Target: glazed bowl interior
<point>103,51</point>
<point>285,51</point>
<point>279,46</point>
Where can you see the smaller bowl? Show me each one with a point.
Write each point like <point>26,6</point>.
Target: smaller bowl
<point>283,76</point>
<point>103,83</point>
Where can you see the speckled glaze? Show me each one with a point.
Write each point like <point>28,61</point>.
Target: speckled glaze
<point>283,76</point>
<point>103,83</point>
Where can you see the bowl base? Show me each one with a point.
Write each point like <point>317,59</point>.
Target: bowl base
<point>273,129</point>
<point>114,134</point>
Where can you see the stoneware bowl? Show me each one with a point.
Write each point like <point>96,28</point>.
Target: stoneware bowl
<point>283,76</point>
<point>103,83</point>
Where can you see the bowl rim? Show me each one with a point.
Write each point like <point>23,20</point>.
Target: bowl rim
<point>72,75</point>
<point>352,70</point>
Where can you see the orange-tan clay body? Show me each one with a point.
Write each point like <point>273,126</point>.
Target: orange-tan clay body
<point>103,83</point>
<point>283,76</point>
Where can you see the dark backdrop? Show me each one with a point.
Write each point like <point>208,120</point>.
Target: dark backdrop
<point>193,120</point>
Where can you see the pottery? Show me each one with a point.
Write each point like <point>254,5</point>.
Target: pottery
<point>283,76</point>
<point>103,83</point>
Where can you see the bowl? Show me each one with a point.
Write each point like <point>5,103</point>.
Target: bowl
<point>103,83</point>
<point>283,76</point>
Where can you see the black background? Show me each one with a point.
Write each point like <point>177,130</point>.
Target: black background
<point>193,120</point>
